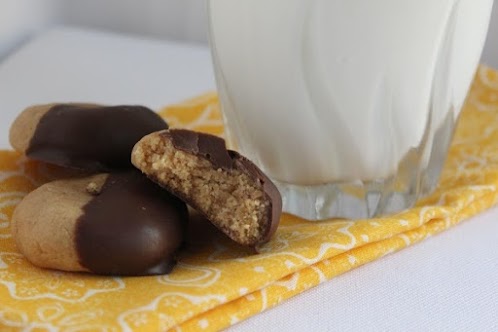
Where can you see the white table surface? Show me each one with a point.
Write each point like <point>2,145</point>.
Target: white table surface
<point>447,283</point>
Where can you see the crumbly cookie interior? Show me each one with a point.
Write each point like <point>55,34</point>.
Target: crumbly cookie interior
<point>229,198</point>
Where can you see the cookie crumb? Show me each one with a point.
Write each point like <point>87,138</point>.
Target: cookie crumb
<point>93,189</point>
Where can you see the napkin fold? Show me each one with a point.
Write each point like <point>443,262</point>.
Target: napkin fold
<point>217,284</point>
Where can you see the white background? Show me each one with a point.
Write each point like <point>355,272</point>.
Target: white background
<point>167,19</point>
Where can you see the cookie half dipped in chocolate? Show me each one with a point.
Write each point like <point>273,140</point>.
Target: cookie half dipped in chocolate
<point>83,136</point>
<point>228,189</point>
<point>108,224</point>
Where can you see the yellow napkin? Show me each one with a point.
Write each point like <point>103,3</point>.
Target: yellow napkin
<point>217,284</point>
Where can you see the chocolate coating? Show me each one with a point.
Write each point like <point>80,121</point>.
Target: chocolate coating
<point>214,149</point>
<point>130,227</point>
<point>94,138</point>
<point>207,146</point>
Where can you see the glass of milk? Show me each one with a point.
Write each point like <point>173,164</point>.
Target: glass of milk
<point>349,105</point>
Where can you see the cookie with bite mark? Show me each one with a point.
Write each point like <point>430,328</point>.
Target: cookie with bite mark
<point>227,188</point>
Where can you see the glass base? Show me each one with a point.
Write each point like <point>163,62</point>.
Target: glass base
<point>355,200</point>
<point>417,176</point>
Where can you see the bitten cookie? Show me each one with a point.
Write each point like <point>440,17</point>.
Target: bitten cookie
<point>84,136</point>
<point>228,189</point>
<point>109,224</point>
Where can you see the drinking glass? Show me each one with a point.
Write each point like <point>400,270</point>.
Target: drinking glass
<point>348,105</point>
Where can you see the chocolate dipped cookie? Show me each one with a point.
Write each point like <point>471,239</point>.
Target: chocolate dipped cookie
<point>84,136</point>
<point>228,189</point>
<point>108,224</point>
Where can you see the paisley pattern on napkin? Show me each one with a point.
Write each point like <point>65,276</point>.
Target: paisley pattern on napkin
<point>217,284</point>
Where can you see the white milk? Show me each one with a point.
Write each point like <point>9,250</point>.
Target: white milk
<point>323,91</point>
<point>349,105</point>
